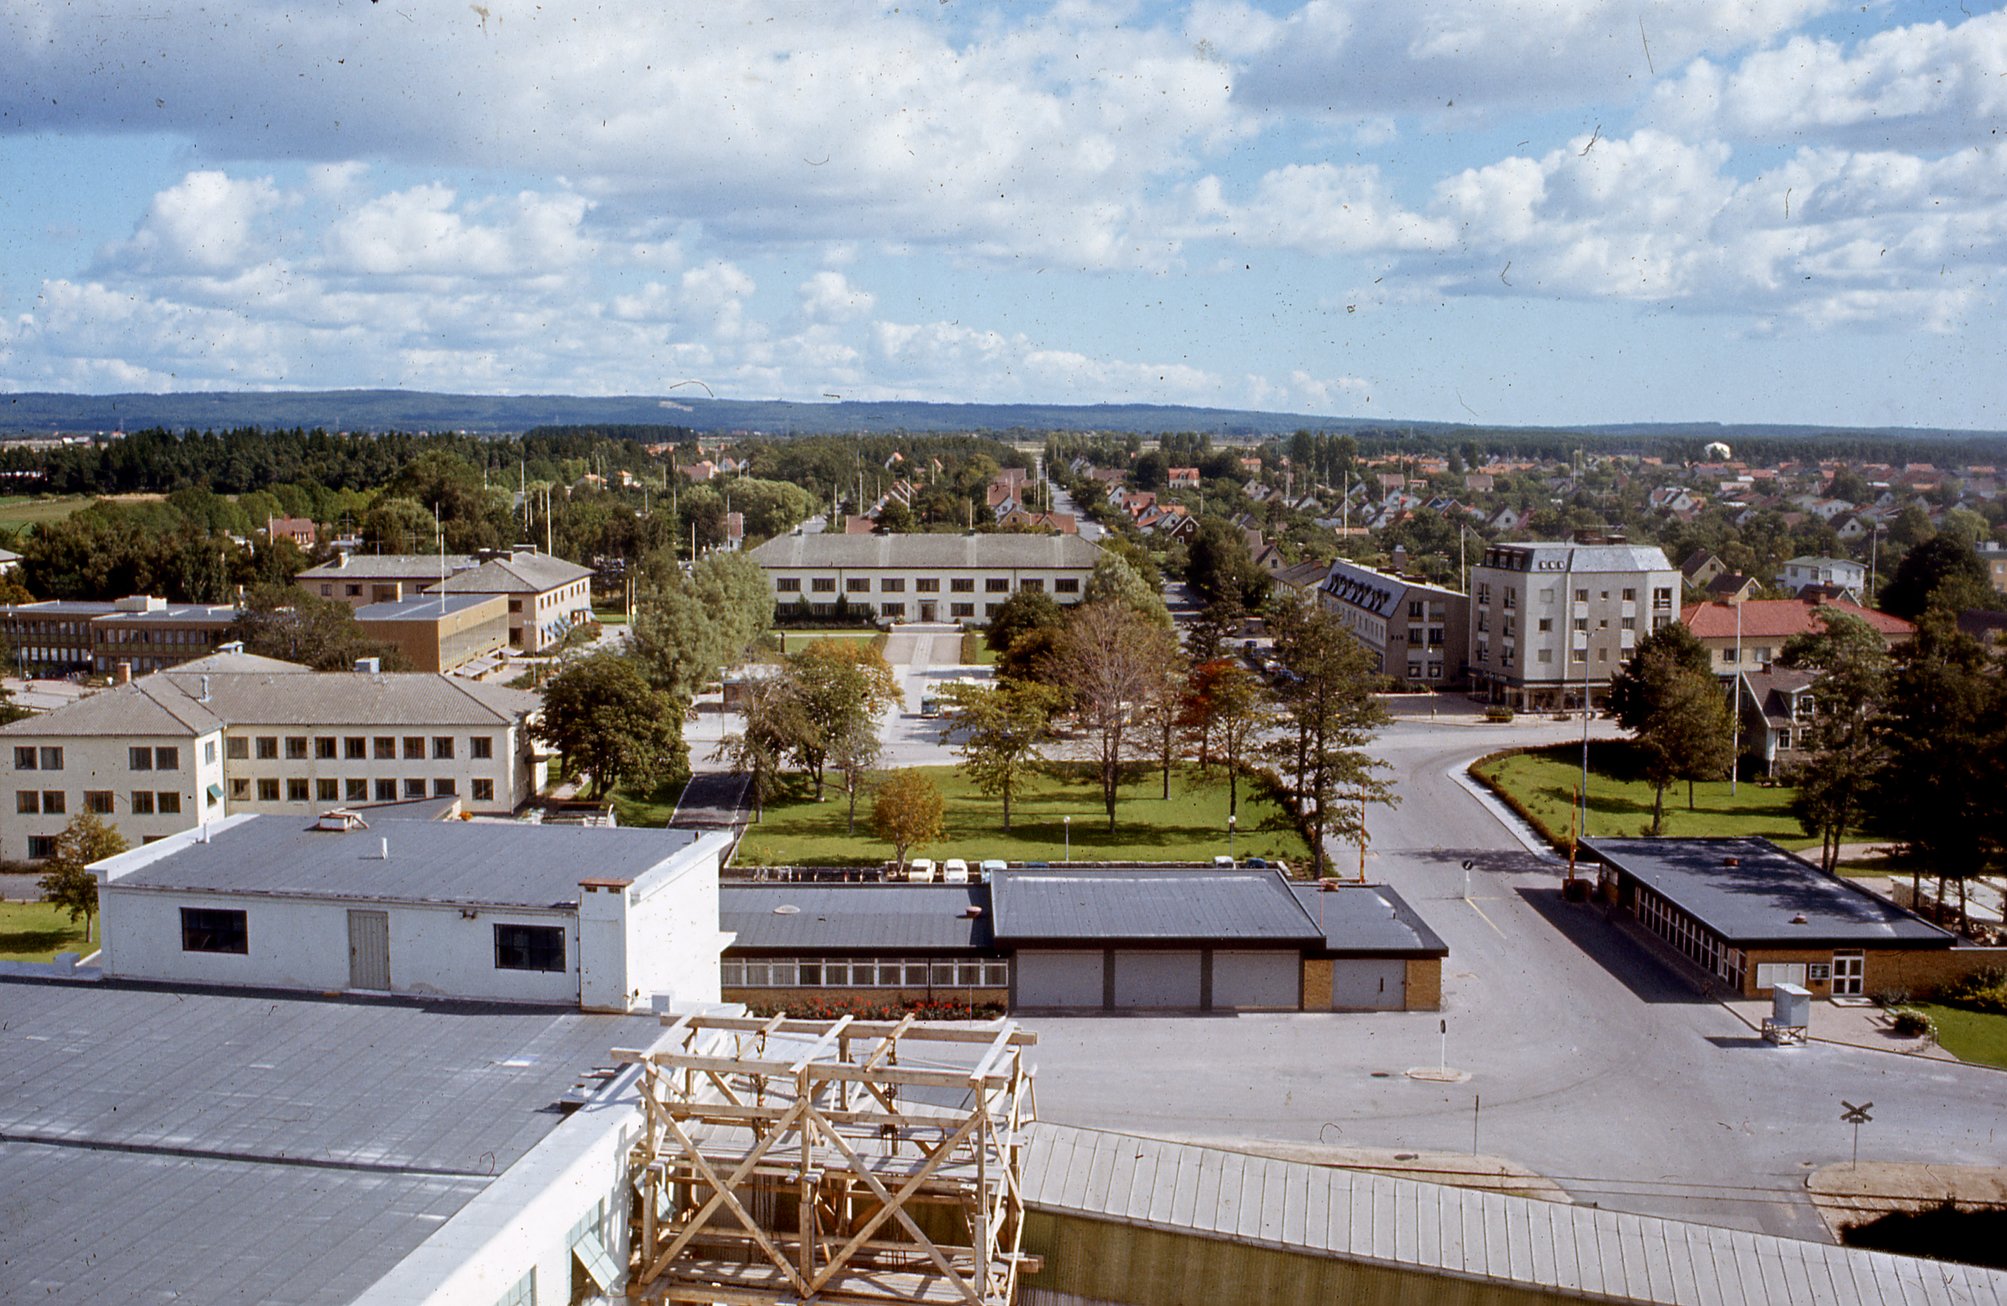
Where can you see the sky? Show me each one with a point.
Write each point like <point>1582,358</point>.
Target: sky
<point>1496,211</point>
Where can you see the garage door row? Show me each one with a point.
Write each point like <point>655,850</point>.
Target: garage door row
<point>1113,979</point>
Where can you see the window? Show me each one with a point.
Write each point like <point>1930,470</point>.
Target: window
<point>1545,655</point>
<point>41,845</point>
<point>355,790</point>
<point>167,759</point>
<point>1578,655</point>
<point>1769,974</point>
<point>324,747</point>
<point>327,791</point>
<point>209,752</point>
<point>892,609</point>
<point>268,790</point>
<point>1630,596</point>
<point>1784,738</point>
<point>1066,585</point>
<point>208,930</point>
<point>296,789</point>
<point>139,759</point>
<point>1484,594</point>
<point>823,584</point>
<point>788,584</point>
<point>386,748</point>
<point>240,789</point>
<point>927,585</point>
<point>414,788</point>
<point>480,748</point>
<point>1415,609</point>
<point>529,947</point>
<point>444,787</point>
<point>296,748</point>
<point>28,802</point>
<point>414,746</point>
<point>98,800</point>
<point>1630,623</point>
<point>442,747</point>
<point>990,609</point>
<point>24,759</point>
<point>236,748</point>
<point>857,585</point>
<point>996,585</point>
<point>54,802</point>
<point>1662,597</point>
<point>962,584</point>
<point>961,609</point>
<point>167,802</point>
<point>386,791</point>
<point>268,748</point>
<point>892,585</point>
<point>142,802</point>
<point>515,605</point>
<point>484,791</point>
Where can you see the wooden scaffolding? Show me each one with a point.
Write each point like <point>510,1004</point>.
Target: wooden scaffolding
<point>840,1161</point>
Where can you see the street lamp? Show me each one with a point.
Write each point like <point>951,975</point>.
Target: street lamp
<point>1069,837</point>
<point>1230,822</point>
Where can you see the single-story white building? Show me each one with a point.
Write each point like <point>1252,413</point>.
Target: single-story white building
<point>598,918</point>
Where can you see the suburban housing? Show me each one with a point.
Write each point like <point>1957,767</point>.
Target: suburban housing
<point>922,577</point>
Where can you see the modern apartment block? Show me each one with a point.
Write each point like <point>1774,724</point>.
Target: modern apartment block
<point>1418,631</point>
<point>1551,623</point>
<point>962,578</point>
<point>238,733</point>
<point>60,636</point>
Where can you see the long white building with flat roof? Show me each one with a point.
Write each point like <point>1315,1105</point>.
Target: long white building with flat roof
<point>963,578</point>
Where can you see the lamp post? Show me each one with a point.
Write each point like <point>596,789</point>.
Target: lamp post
<point>1230,822</point>
<point>1069,837</point>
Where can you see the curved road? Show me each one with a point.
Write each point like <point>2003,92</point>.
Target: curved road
<point>1590,1060</point>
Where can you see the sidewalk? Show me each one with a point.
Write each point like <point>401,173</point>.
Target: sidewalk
<point>1859,1027</point>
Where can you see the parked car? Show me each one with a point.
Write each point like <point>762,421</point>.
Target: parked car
<point>920,870</point>
<point>1258,863</point>
<point>954,871</point>
<point>990,867</point>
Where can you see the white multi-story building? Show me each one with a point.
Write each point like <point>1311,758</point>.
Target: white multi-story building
<point>1843,574</point>
<point>237,733</point>
<point>1551,623</point>
<point>1418,631</point>
<point>962,578</point>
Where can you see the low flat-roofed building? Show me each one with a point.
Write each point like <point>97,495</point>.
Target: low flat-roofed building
<point>586,916</point>
<point>1418,632</point>
<point>1095,940</point>
<point>962,578</point>
<point>439,632</point>
<point>547,597</point>
<point>60,636</point>
<point>1750,915</point>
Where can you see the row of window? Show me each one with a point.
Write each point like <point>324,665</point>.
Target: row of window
<point>355,748</point>
<point>37,759</point>
<point>861,973</point>
<point>54,802</point>
<point>517,947</point>
<point>923,585</point>
<point>354,789</point>
<point>1702,947</point>
<point>1661,596</point>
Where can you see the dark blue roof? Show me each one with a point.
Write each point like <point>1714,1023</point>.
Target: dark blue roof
<point>1368,918</point>
<point>855,917</point>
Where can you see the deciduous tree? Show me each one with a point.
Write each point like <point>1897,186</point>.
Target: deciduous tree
<point>1844,747</point>
<point>907,812</point>
<point>1670,702</point>
<point>1105,659</point>
<point>1234,709</point>
<point>286,622</point>
<point>602,714</point>
<point>65,881</point>
<point>1330,716</point>
<point>1003,726</point>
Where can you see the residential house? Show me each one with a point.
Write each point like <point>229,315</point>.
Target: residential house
<point>300,530</point>
<point>1842,573</point>
<point>1776,708</point>
<point>1748,636</point>
<point>1183,478</point>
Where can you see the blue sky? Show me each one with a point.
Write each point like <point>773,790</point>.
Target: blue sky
<point>1513,211</point>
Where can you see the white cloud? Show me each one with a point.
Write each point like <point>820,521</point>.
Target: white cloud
<point>828,296</point>
<point>1319,208</point>
<point>208,222</point>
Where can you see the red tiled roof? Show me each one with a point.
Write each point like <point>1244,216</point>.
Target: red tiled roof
<point>1781,619</point>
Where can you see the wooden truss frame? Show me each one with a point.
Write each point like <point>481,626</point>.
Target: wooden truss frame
<point>840,1161</point>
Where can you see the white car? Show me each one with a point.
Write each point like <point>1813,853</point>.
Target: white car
<point>920,870</point>
<point>954,871</point>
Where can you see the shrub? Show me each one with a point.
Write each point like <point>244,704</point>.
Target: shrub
<point>1984,990</point>
<point>1911,1023</point>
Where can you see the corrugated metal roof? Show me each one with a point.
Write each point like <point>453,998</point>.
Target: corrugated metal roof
<point>1756,900</point>
<point>855,917</point>
<point>480,862</point>
<point>389,566</point>
<point>1467,1233</point>
<point>1052,906</point>
<point>1586,557</point>
<point>521,573</point>
<point>134,710</point>
<point>924,552</point>
<point>1367,918</point>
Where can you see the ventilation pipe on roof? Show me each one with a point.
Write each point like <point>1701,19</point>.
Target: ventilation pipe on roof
<point>205,689</point>
<point>383,849</point>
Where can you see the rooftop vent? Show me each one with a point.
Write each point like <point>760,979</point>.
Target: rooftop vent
<point>972,911</point>
<point>232,646</point>
<point>341,819</point>
<point>787,909</point>
<point>1799,919</point>
<point>1731,861</point>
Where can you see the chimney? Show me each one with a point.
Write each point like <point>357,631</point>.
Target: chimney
<point>205,690</point>
<point>124,673</point>
<point>383,849</point>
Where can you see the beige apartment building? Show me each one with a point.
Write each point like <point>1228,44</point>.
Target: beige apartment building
<point>963,578</point>
<point>1418,631</point>
<point>545,596</point>
<point>238,733</point>
<point>360,579</point>
<point>1551,623</point>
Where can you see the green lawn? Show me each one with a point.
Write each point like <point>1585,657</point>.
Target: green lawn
<point>37,931</point>
<point>652,808</point>
<point>1620,804</point>
<point>1192,826</point>
<point>1969,1035</point>
<point>19,511</point>
<point>614,615</point>
<point>976,651</point>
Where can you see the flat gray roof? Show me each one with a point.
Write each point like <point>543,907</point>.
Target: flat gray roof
<point>928,552</point>
<point>855,917</point>
<point>1368,918</point>
<point>434,603</point>
<point>1166,905</point>
<point>502,863</point>
<point>257,1146</point>
<point>1756,900</point>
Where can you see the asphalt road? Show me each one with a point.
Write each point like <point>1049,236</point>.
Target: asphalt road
<point>1590,1060</point>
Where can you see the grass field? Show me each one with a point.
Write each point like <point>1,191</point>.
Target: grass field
<point>1620,803</point>
<point>653,808</point>
<point>1969,1035</point>
<point>793,641</point>
<point>20,511</point>
<point>1192,826</point>
<point>37,931</point>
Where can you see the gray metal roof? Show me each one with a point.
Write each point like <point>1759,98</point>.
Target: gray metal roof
<point>256,1146</point>
<point>1588,557</point>
<point>421,607</point>
<point>134,710</point>
<point>1756,900</point>
<point>502,862</point>
<point>928,552</point>
<point>389,566</point>
<point>215,614</point>
<point>1368,918</point>
<point>520,573</point>
<point>1052,906</point>
<point>1519,1242</point>
<point>855,917</point>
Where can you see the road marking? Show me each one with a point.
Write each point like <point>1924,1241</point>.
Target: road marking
<point>1486,919</point>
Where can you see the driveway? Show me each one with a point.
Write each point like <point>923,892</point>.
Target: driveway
<point>1590,1060</point>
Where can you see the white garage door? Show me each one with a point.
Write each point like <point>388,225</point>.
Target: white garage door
<point>1059,979</point>
<point>1369,985</point>
<point>1259,980</point>
<point>1157,979</point>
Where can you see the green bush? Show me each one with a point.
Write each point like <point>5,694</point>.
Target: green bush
<point>1911,1023</point>
<point>1984,990</point>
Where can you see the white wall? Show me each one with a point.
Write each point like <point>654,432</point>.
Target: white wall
<point>657,935</point>
<point>101,762</point>
<point>504,767</point>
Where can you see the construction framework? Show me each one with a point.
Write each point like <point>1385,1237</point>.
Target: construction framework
<point>840,1161</point>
